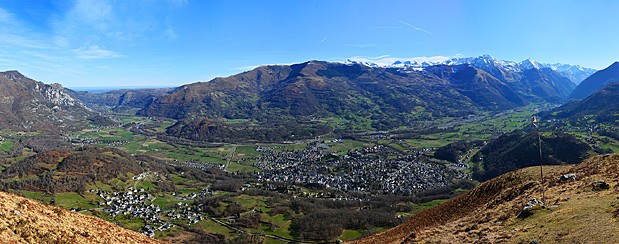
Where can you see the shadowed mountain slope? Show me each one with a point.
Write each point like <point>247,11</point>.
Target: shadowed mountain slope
<point>119,100</point>
<point>519,149</point>
<point>384,98</point>
<point>596,81</point>
<point>603,106</point>
<point>70,171</point>
<point>531,80</point>
<point>313,89</point>
<point>482,88</point>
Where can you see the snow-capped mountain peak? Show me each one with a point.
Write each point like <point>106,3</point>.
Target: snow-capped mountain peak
<point>486,62</point>
<point>530,64</point>
<point>417,63</point>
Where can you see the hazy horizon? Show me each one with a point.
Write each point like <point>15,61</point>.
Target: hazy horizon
<point>100,89</point>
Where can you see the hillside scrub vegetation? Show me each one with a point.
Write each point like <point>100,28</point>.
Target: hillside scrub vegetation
<point>520,149</point>
<point>576,211</point>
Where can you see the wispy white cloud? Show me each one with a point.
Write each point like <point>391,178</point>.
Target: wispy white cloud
<point>415,27</point>
<point>93,10</point>
<point>95,52</point>
<point>41,55</point>
<point>38,64</point>
<point>6,17</point>
<point>88,34</point>
<point>118,23</point>
<point>323,40</point>
<point>15,35</point>
<point>89,19</point>
<point>29,51</point>
<point>21,41</point>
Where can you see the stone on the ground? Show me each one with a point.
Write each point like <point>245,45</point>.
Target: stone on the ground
<point>531,205</point>
<point>568,177</point>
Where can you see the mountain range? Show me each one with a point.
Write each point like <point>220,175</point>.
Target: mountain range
<point>387,97</point>
<point>601,106</point>
<point>284,102</point>
<point>315,89</point>
<point>596,81</point>
<point>523,75</point>
<point>289,96</point>
<point>26,104</point>
<point>119,100</point>
<point>575,73</point>
<point>276,96</point>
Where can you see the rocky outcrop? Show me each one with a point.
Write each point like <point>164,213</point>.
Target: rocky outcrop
<point>56,94</point>
<point>29,105</point>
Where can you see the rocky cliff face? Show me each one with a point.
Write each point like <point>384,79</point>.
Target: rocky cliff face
<point>55,94</point>
<point>29,105</point>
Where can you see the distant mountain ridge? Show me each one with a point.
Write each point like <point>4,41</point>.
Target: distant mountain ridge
<point>386,97</point>
<point>533,81</point>
<point>310,90</point>
<point>122,99</point>
<point>482,88</point>
<point>376,97</point>
<point>602,106</point>
<point>530,85</point>
<point>596,81</point>
<point>575,73</point>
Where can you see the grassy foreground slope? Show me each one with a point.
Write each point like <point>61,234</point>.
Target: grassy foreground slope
<point>576,211</point>
<point>27,221</point>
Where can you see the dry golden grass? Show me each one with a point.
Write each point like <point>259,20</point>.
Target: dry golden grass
<point>488,214</point>
<point>27,221</point>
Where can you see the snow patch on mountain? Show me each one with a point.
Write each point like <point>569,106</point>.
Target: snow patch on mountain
<point>575,73</point>
<point>530,64</point>
<point>416,63</point>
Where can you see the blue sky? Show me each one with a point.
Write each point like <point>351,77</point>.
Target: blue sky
<point>82,43</point>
